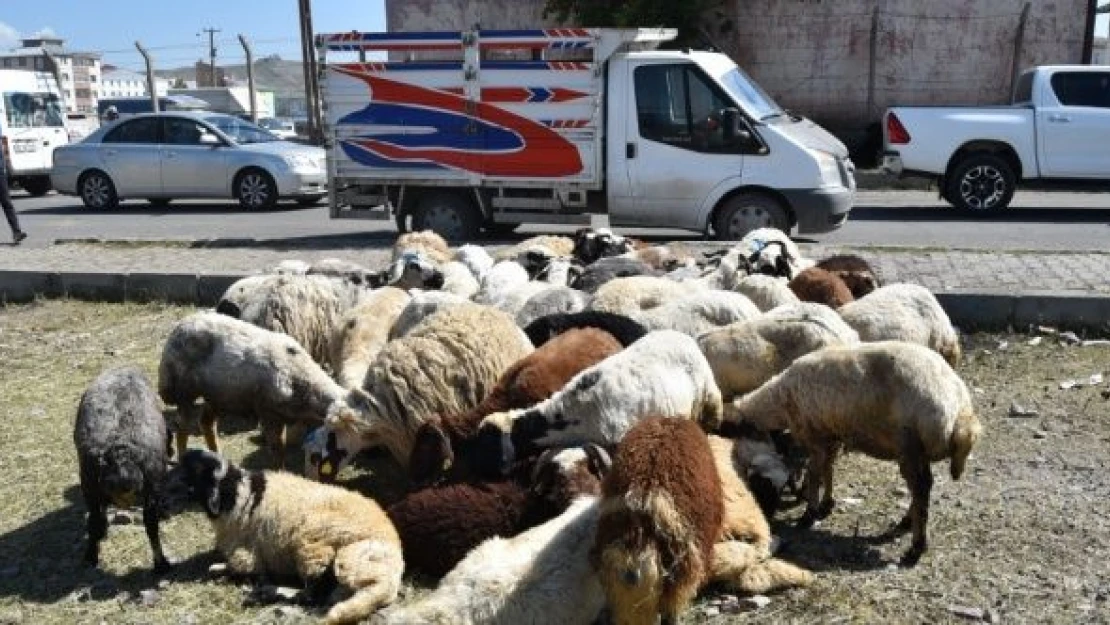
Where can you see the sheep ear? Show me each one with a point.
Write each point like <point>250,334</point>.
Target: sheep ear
<point>599,460</point>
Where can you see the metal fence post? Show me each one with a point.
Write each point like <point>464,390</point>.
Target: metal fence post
<point>1019,39</point>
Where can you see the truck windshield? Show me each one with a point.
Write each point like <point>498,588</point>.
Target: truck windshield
<point>32,110</point>
<point>749,95</point>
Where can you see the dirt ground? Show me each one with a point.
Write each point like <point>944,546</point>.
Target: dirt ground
<point>1022,538</point>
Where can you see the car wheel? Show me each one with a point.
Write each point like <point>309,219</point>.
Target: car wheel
<point>745,212</point>
<point>36,186</point>
<point>255,190</point>
<point>97,191</point>
<point>309,201</point>
<point>450,215</point>
<point>981,183</point>
<point>159,201</point>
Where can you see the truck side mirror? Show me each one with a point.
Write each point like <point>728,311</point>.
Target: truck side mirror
<point>734,130</point>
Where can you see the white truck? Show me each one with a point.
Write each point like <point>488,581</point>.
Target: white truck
<point>1055,133</point>
<point>553,126</point>
<point>32,117</point>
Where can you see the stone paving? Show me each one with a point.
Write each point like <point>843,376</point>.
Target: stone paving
<point>938,270</point>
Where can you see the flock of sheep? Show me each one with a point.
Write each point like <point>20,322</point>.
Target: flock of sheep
<point>594,428</point>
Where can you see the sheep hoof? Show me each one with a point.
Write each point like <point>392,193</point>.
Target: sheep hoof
<point>913,556</point>
<point>825,509</point>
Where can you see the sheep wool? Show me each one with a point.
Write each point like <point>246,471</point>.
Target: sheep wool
<point>626,296</point>
<point>822,287</point>
<point>698,313</point>
<point>554,246</point>
<point>476,259</point>
<point>904,312</point>
<point>500,282</point>
<point>608,269</point>
<point>425,242</point>
<point>421,305</point>
<point>766,292</point>
<point>556,300</point>
<point>362,332</point>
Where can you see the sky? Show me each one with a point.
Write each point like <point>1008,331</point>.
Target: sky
<point>169,29</point>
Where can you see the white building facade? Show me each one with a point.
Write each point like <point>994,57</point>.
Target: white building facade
<point>78,72</point>
<point>122,83</point>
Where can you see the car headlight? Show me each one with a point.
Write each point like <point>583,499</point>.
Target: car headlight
<point>828,167</point>
<point>301,161</point>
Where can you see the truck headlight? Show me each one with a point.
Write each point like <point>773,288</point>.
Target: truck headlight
<point>828,167</point>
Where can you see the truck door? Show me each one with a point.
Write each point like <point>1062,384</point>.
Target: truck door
<point>1074,125</point>
<point>675,150</point>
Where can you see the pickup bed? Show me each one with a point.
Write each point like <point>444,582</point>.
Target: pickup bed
<point>1057,130</point>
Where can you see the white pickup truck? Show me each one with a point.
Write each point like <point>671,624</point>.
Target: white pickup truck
<point>1056,131</point>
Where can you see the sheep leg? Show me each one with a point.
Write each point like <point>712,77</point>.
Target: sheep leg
<point>208,428</point>
<point>818,472</point>
<point>97,527</point>
<point>274,433</point>
<point>241,561</point>
<point>151,515</point>
<point>827,502</point>
<point>314,565</point>
<point>918,474</point>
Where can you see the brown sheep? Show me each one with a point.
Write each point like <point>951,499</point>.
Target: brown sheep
<point>854,271</point>
<point>661,514</point>
<point>821,286</point>
<point>529,381</point>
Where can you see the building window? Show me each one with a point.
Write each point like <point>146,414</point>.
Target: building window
<point>7,62</point>
<point>65,76</point>
<point>92,77</point>
<point>38,62</point>
<point>23,61</point>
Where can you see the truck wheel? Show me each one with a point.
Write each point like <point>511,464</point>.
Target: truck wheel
<point>981,183</point>
<point>745,212</point>
<point>37,186</point>
<point>450,215</point>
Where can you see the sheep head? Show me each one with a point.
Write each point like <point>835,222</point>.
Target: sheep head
<point>633,577</point>
<point>201,478</point>
<point>415,270</point>
<point>432,454</point>
<point>562,475</point>
<point>348,429</point>
<point>495,446</point>
<point>592,244</point>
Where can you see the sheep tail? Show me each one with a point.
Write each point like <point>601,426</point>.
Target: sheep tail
<point>372,568</point>
<point>743,567</point>
<point>964,436</point>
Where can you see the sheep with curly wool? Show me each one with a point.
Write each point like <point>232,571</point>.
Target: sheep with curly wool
<point>610,268</point>
<point>447,364</point>
<point>745,355</point>
<point>623,328</point>
<point>273,523</point>
<point>540,577</point>
<point>628,296</point>
<point>822,287</point>
<point>904,312</point>
<point>905,404</point>
<point>238,368</point>
<point>421,305</point>
<point>854,271</point>
<point>553,301</point>
<point>700,312</point>
<point>425,242</point>
<point>120,436</point>
<point>362,332</point>
<point>766,292</point>
<point>500,282</point>
<point>664,373</point>
<point>442,440</point>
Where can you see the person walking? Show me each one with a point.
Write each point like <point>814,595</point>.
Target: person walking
<point>6,200</point>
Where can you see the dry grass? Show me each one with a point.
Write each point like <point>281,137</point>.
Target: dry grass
<point>1024,533</point>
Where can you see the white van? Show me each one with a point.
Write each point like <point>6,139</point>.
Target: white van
<point>32,117</point>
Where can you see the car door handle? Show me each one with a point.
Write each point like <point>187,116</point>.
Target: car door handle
<point>1059,119</point>
<point>630,150</point>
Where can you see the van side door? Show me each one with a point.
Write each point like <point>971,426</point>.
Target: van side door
<point>1073,124</point>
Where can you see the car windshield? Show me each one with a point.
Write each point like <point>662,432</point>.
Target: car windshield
<point>33,110</point>
<point>239,130</point>
<point>749,95</point>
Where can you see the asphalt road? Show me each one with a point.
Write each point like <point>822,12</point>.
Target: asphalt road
<point>1037,221</point>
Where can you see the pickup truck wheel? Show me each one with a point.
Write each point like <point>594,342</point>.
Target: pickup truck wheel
<point>745,212</point>
<point>448,214</point>
<point>981,183</point>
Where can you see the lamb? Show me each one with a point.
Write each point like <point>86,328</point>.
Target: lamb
<point>445,365</point>
<point>745,355</point>
<point>280,524</point>
<point>663,374</point>
<point>440,525</point>
<point>362,332</point>
<point>638,293</point>
<point>766,292</point>
<point>540,577</point>
<point>906,404</point>
<point>822,287</point>
<point>698,313</point>
<point>904,312</point>
<point>592,244</point>
<point>242,369</point>
<point>622,328</point>
<point>556,300</point>
<point>120,437</point>
<point>476,259</point>
<point>662,511</point>
<point>500,281</point>
<point>854,271</point>
<point>421,305</point>
<point>424,242</point>
<point>529,381</point>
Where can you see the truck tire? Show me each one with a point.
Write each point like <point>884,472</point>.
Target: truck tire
<point>37,186</point>
<point>980,182</point>
<point>451,215</point>
<point>748,211</point>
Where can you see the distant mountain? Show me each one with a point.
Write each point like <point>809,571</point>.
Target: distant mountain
<point>285,78</point>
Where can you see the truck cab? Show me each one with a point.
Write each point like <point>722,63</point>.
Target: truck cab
<point>585,122</point>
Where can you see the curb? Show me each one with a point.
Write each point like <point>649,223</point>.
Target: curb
<point>970,310</point>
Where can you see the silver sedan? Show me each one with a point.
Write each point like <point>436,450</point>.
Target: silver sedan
<point>197,154</point>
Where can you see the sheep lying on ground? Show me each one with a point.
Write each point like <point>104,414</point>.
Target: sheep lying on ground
<point>766,292</point>
<point>592,244</point>
<point>661,513</point>
<point>663,374</point>
<point>425,242</point>
<point>529,381</point>
<point>622,328</point>
<point>445,365</point>
<point>556,300</point>
<point>664,257</point>
<point>822,287</point>
<point>904,312</point>
<point>423,304</point>
<point>120,437</point>
<point>906,404</point>
<point>277,523</point>
<point>699,312</point>
<point>540,577</point>
<point>608,269</point>
<point>627,296</point>
<point>362,332</point>
<point>745,355</point>
<point>440,525</point>
<point>854,271</point>
<point>554,246</point>
<point>241,369</point>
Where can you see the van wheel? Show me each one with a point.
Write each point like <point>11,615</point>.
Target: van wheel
<point>980,183</point>
<point>37,186</point>
<point>97,191</point>
<point>745,212</point>
<point>450,215</point>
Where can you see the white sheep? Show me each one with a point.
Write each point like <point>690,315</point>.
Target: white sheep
<point>770,251</point>
<point>766,292</point>
<point>560,299</point>
<point>458,279</point>
<point>424,242</point>
<point>745,355</point>
<point>700,312</point>
<point>421,305</point>
<point>662,374</point>
<point>290,267</point>
<point>890,400</point>
<point>633,294</point>
<point>362,332</point>
<point>554,246</point>
<point>476,259</point>
<point>541,577</point>
<point>500,281</point>
<point>904,312</point>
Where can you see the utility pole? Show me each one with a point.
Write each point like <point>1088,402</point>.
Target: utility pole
<point>308,60</point>
<point>212,52</point>
<point>250,76</point>
<point>151,86</point>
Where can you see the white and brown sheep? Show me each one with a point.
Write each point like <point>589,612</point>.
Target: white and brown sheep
<point>904,312</point>
<point>816,285</point>
<point>854,271</point>
<point>425,242</point>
